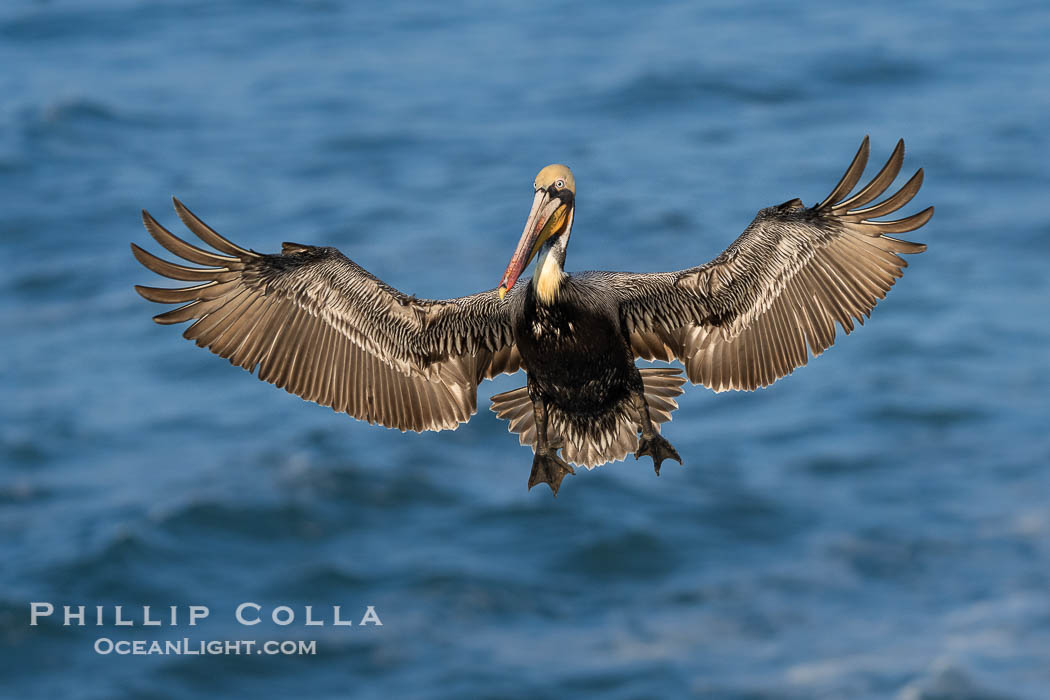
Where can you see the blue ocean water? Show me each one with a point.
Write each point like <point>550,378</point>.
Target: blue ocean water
<point>875,525</point>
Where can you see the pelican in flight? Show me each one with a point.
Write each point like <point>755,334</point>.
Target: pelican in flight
<point>316,324</point>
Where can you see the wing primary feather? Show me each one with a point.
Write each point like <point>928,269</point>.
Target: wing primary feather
<point>250,328</point>
<point>904,225</point>
<point>205,330</point>
<point>233,333</point>
<point>896,246</point>
<point>803,319</point>
<point>892,203</point>
<point>174,271</point>
<point>179,295</point>
<point>823,328</point>
<point>179,315</point>
<point>850,178</point>
<point>839,293</point>
<point>878,184</point>
<point>206,234</point>
<point>866,274</point>
<point>253,349</point>
<point>180,247</point>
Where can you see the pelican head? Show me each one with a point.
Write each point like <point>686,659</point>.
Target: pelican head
<point>549,220</point>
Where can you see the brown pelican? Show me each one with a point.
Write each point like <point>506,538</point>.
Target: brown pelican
<point>316,324</point>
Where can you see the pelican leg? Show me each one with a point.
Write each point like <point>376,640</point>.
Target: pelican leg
<point>547,467</point>
<point>651,442</point>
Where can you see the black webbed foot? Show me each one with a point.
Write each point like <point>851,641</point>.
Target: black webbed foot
<point>549,469</point>
<point>658,448</point>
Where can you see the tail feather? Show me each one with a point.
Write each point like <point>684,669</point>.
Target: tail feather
<point>596,442</point>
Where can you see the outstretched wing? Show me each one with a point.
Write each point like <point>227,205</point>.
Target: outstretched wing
<point>318,325</point>
<point>745,319</point>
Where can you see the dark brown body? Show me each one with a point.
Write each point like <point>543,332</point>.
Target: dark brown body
<point>577,356</point>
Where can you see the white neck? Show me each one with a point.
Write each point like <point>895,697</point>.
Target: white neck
<point>547,276</point>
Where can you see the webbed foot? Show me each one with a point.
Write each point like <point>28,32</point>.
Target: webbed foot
<point>549,469</point>
<point>658,448</point>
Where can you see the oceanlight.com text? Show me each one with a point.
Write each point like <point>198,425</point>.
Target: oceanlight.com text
<point>214,647</point>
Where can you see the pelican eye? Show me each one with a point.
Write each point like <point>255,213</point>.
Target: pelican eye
<point>560,184</point>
